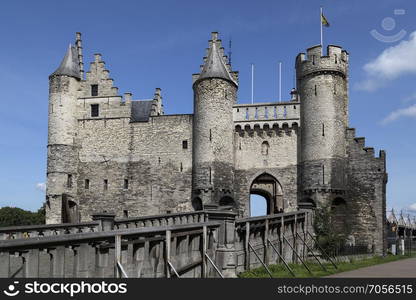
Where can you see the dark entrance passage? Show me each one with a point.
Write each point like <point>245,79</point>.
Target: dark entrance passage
<point>269,188</point>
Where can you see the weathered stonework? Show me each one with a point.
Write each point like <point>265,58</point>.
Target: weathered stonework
<point>107,152</point>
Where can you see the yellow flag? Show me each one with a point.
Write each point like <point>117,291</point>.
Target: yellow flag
<point>324,20</point>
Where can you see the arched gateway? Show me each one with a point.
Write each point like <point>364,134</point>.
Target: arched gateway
<point>268,187</point>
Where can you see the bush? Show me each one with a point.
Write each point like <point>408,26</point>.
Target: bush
<point>328,239</point>
<point>14,216</point>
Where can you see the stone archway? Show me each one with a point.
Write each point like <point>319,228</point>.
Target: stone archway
<point>269,187</point>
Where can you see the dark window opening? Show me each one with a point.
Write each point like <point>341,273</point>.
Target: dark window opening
<point>94,89</point>
<point>87,184</point>
<point>126,184</point>
<point>185,144</point>
<point>95,110</point>
<point>315,91</point>
<point>210,135</point>
<point>323,129</point>
<point>126,213</point>
<point>168,212</point>
<point>181,167</point>
<point>105,184</point>
<point>69,181</point>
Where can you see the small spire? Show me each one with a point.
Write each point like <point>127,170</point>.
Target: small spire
<point>214,66</point>
<point>69,65</point>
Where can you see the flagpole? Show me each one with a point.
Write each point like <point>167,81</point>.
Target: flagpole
<point>252,83</point>
<point>320,22</point>
<point>280,81</point>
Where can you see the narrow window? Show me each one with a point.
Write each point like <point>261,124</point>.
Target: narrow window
<point>266,113</point>
<point>69,181</point>
<point>265,148</point>
<point>247,114</point>
<point>238,110</point>
<point>181,167</point>
<point>336,59</point>
<point>275,113</point>
<point>95,110</point>
<point>210,176</point>
<point>315,90</point>
<point>335,88</point>
<point>284,112</point>
<point>256,115</point>
<point>313,59</point>
<point>105,184</point>
<point>87,184</point>
<point>185,144</point>
<point>323,129</point>
<point>210,135</point>
<point>159,160</point>
<point>94,89</point>
<point>126,184</point>
<point>126,213</point>
<point>323,174</point>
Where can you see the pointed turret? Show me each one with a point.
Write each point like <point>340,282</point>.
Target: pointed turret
<point>69,65</point>
<point>215,65</point>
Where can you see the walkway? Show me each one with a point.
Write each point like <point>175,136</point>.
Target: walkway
<point>395,269</point>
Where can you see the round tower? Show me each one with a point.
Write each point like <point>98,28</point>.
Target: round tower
<point>64,84</point>
<point>215,93</point>
<point>322,84</point>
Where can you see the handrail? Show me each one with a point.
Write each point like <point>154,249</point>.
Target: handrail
<point>309,249</point>
<point>300,258</point>
<point>213,264</point>
<point>92,236</point>
<point>120,266</point>
<point>174,270</point>
<point>281,257</point>
<point>322,250</point>
<point>258,257</point>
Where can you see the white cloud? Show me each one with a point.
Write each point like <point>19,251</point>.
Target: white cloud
<point>390,64</point>
<point>399,113</point>
<point>412,207</point>
<point>41,186</point>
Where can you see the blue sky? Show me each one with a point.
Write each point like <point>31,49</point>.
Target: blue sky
<point>148,44</point>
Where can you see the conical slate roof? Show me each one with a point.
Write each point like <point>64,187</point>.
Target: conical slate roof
<point>69,65</point>
<point>214,66</point>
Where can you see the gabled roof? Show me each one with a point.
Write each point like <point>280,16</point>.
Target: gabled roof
<point>140,110</point>
<point>69,65</point>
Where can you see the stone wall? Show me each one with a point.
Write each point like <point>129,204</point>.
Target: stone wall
<point>149,155</point>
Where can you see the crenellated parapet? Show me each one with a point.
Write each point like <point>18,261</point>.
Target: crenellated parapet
<point>314,62</point>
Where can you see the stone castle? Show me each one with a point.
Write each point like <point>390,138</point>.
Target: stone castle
<point>108,152</point>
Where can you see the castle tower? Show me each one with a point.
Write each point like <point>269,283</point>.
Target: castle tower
<point>64,84</point>
<point>215,93</point>
<point>322,84</point>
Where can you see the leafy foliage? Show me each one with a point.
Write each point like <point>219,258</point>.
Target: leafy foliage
<point>329,239</point>
<point>14,216</point>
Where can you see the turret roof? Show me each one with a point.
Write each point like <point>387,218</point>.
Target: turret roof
<point>214,66</point>
<point>69,65</point>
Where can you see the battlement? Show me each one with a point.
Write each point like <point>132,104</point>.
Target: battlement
<point>360,147</point>
<point>335,61</point>
<point>269,128</point>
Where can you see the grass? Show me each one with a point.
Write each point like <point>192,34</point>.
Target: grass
<point>317,271</point>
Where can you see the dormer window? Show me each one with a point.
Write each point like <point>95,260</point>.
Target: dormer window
<point>94,89</point>
<point>95,110</point>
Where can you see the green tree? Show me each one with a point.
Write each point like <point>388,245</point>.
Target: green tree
<point>14,216</point>
<point>329,239</point>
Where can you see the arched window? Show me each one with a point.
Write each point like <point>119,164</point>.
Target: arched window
<point>265,148</point>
